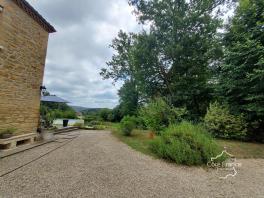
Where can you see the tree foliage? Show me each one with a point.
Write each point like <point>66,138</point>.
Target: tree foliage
<point>183,57</point>
<point>158,115</point>
<point>57,110</point>
<point>128,99</point>
<point>104,114</point>
<point>221,123</point>
<point>242,74</point>
<point>173,58</point>
<point>50,111</point>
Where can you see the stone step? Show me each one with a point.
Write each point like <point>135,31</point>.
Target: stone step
<point>65,130</point>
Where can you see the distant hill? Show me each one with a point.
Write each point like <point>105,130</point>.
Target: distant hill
<point>85,109</point>
<point>78,108</point>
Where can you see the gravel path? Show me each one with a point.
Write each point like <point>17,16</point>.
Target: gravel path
<point>96,164</point>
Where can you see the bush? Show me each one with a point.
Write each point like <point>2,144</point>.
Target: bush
<point>99,127</point>
<point>95,122</point>
<point>221,123</point>
<point>8,131</point>
<point>158,115</point>
<point>105,114</point>
<point>127,124</point>
<point>69,114</point>
<point>185,143</point>
<point>89,118</point>
<point>80,125</point>
<point>139,122</point>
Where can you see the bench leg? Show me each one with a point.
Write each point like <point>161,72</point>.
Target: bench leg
<point>13,145</point>
<point>32,140</point>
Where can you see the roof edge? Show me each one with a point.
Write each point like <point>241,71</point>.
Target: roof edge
<point>24,5</point>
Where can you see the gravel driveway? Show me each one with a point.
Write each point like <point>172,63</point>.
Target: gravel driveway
<point>96,164</point>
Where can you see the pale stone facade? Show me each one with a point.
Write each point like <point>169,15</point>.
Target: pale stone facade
<point>23,45</point>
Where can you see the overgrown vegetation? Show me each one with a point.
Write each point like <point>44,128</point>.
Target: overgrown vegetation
<point>173,71</point>
<point>185,143</point>
<point>158,115</point>
<point>7,132</point>
<point>51,111</point>
<point>242,73</point>
<point>106,115</point>
<point>57,110</point>
<point>127,124</point>
<point>221,123</point>
<point>140,140</point>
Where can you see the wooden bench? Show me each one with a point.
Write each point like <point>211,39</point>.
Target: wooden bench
<point>16,141</point>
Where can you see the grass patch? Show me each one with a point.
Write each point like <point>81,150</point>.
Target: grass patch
<point>139,140</point>
<point>243,149</point>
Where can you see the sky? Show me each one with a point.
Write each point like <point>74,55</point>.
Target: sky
<point>80,48</point>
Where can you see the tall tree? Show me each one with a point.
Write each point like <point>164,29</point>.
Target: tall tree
<point>128,99</point>
<point>242,74</point>
<point>150,75</point>
<point>136,60</point>
<point>187,43</point>
<point>121,66</point>
<point>174,57</point>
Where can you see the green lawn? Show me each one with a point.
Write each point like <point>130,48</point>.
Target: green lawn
<point>140,141</point>
<point>243,149</point>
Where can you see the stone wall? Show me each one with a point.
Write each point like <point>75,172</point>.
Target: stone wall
<point>21,68</point>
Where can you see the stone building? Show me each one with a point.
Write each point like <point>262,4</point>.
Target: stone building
<point>23,44</point>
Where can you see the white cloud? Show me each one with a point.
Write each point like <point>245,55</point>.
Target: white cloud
<point>79,48</point>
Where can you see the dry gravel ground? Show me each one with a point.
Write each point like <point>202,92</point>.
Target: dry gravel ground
<point>96,164</point>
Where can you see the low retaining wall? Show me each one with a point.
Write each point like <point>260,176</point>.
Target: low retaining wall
<point>72,122</point>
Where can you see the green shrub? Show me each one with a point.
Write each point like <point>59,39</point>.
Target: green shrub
<point>69,114</point>
<point>8,131</point>
<point>221,123</point>
<point>99,127</point>
<point>185,143</point>
<point>127,124</point>
<point>80,125</point>
<point>105,114</point>
<point>158,115</point>
<point>89,118</point>
<point>94,123</point>
<point>139,122</point>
